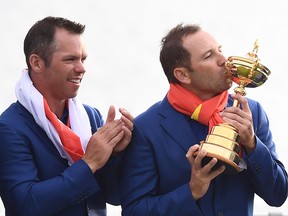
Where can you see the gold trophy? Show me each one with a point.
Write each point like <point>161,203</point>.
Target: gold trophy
<point>223,141</point>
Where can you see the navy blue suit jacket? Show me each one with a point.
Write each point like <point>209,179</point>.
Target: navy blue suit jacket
<point>36,180</point>
<point>156,172</point>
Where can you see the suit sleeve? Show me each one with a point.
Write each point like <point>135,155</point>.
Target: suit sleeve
<point>267,172</point>
<point>19,182</point>
<point>109,176</point>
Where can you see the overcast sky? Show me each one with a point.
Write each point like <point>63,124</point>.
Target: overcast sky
<point>123,41</point>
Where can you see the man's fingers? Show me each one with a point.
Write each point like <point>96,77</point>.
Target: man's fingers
<point>111,114</point>
<point>190,153</point>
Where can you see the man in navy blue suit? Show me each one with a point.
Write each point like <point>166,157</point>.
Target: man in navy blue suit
<point>58,157</point>
<point>162,175</point>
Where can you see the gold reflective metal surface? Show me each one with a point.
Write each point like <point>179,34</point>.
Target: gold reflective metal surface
<point>247,71</point>
<point>225,155</point>
<point>230,132</point>
<point>227,143</point>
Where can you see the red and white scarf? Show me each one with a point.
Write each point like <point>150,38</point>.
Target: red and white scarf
<point>33,101</point>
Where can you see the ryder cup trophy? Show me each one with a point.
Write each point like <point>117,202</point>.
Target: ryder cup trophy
<point>223,141</point>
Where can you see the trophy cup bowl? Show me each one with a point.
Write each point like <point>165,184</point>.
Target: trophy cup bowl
<point>223,141</point>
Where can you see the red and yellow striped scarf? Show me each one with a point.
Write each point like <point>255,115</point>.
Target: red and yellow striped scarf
<point>205,112</point>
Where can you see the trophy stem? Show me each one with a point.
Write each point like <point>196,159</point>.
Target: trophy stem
<point>239,90</point>
<point>236,103</point>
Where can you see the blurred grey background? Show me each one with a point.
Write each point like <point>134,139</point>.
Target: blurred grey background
<point>123,41</point>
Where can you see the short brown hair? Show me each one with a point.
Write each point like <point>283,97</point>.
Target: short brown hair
<point>40,38</point>
<point>173,54</point>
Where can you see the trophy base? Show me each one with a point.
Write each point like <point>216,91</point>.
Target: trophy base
<point>222,144</point>
<point>231,167</point>
<point>226,157</point>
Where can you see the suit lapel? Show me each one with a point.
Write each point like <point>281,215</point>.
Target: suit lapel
<point>37,130</point>
<point>178,126</point>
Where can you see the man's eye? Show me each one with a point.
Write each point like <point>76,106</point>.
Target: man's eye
<point>69,59</point>
<point>220,49</point>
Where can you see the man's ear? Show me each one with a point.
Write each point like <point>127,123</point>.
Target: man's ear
<point>182,75</point>
<point>36,63</point>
